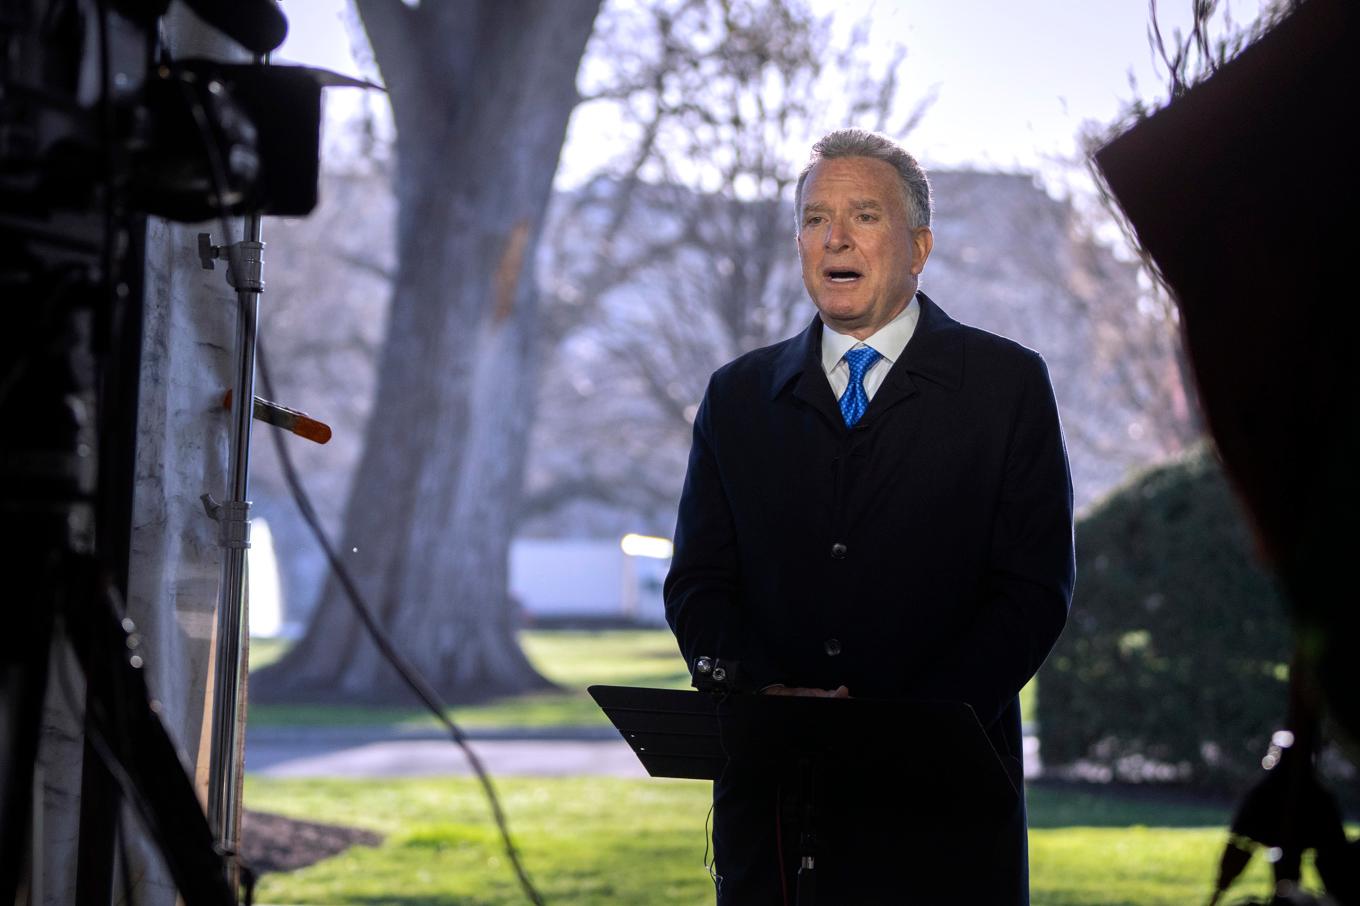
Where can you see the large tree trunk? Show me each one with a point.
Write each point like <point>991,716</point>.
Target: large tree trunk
<point>481,92</point>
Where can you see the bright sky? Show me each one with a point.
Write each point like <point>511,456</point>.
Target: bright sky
<point>1015,79</point>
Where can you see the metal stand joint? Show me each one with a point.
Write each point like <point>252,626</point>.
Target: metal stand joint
<point>245,262</point>
<point>235,522</point>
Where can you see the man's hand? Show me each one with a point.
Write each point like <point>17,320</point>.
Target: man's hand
<point>838,692</point>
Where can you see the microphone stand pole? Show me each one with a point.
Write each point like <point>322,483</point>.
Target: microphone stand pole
<point>245,271</point>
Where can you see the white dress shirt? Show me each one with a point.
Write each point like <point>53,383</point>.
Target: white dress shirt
<point>888,342</point>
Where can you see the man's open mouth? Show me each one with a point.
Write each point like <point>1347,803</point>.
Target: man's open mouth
<point>843,275</point>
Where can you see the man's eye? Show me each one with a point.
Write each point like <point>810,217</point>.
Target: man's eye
<point>812,220</point>
<point>867,218</point>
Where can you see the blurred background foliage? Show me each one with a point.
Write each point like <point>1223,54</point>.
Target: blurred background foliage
<point>1174,665</point>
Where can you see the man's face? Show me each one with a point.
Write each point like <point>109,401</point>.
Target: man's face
<point>860,255</point>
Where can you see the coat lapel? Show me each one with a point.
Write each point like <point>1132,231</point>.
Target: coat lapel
<point>800,363</point>
<point>935,353</point>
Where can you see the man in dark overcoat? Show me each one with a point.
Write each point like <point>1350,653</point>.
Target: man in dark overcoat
<point>880,507</point>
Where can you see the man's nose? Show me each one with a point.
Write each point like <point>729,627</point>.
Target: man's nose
<point>837,236</point>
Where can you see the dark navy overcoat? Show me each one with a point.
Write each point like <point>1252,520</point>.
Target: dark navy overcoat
<point>924,553</point>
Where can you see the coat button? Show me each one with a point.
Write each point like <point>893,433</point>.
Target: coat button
<point>832,647</point>
<point>838,551</point>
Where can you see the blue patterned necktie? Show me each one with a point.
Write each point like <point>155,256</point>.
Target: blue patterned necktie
<point>854,400</point>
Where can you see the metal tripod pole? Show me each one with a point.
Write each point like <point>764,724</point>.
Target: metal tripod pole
<point>246,274</point>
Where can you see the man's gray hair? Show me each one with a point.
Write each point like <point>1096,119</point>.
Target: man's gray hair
<point>862,143</point>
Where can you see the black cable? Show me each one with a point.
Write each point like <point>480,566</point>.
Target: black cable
<point>707,845</point>
<point>713,874</point>
<point>408,673</point>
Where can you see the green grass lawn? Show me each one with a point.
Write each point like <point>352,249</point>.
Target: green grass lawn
<point>615,841</point>
<point>621,841</point>
<point>574,659</point>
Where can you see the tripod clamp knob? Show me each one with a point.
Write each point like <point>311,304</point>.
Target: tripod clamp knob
<point>245,262</point>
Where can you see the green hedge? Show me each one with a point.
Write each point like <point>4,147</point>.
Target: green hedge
<point>1173,665</point>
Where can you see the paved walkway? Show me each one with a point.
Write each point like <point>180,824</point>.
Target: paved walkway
<point>359,755</point>
<point>384,752</point>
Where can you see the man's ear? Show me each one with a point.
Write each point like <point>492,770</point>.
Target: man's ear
<point>922,242</point>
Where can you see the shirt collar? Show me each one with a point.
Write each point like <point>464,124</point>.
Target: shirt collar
<point>888,341</point>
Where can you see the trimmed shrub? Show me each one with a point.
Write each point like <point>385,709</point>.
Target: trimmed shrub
<point>1174,664</point>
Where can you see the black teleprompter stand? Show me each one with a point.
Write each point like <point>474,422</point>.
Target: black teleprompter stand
<point>940,744</point>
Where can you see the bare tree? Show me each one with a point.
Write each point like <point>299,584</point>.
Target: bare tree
<point>1136,345</point>
<point>481,93</point>
<point>1137,339</point>
<point>693,262</point>
<point>1188,58</point>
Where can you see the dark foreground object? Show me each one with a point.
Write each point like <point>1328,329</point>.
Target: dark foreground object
<point>891,801</point>
<point>1243,191</point>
